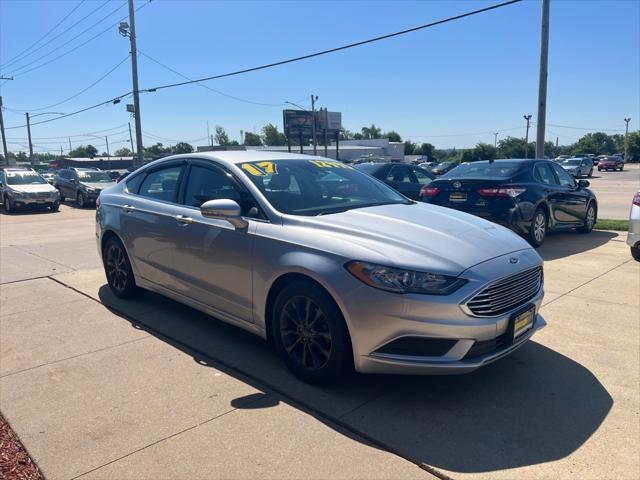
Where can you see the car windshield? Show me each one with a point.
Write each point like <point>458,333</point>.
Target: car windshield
<point>24,178</point>
<point>444,164</point>
<point>367,167</point>
<point>481,170</point>
<point>572,161</point>
<point>94,177</point>
<point>317,187</point>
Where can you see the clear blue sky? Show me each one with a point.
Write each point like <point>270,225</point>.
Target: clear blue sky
<point>478,74</point>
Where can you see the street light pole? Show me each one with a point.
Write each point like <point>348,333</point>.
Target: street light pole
<point>314,98</point>
<point>626,140</point>
<point>542,84</point>
<point>495,140</point>
<point>29,136</point>
<point>526,138</point>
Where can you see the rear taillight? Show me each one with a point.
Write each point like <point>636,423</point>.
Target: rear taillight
<point>502,192</point>
<point>429,191</point>
<point>636,199</point>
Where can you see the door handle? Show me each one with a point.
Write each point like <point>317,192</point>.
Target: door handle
<point>128,208</point>
<point>184,220</point>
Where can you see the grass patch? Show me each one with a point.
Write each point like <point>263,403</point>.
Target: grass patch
<point>610,224</point>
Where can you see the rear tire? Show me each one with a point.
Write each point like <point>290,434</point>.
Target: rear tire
<point>635,253</point>
<point>117,268</point>
<point>589,219</point>
<point>621,167</point>
<point>590,173</point>
<point>538,228</point>
<point>310,334</point>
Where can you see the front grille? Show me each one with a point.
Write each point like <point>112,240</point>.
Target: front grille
<point>507,294</point>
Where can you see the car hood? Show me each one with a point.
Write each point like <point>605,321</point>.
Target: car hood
<point>418,236</point>
<point>570,167</point>
<point>39,188</point>
<point>97,186</point>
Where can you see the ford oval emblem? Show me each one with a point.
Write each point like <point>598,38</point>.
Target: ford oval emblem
<point>513,260</point>
<point>457,185</point>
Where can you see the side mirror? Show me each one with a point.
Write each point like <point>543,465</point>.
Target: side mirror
<point>583,183</point>
<point>73,180</point>
<point>224,209</point>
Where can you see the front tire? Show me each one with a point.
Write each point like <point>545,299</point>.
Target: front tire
<point>117,268</point>
<point>538,228</point>
<point>310,333</point>
<point>590,173</point>
<point>589,219</point>
<point>8,205</point>
<point>635,253</point>
<point>81,199</point>
<point>55,206</point>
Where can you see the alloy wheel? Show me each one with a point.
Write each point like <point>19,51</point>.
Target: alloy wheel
<point>305,333</point>
<point>81,200</point>
<point>117,270</point>
<point>539,227</point>
<point>591,217</point>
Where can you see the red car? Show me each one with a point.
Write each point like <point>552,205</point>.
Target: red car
<point>611,163</point>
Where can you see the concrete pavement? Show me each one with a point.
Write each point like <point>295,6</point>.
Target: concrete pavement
<point>98,387</point>
<point>615,190</point>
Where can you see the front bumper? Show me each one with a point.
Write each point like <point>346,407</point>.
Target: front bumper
<point>41,201</point>
<point>376,319</point>
<point>633,236</point>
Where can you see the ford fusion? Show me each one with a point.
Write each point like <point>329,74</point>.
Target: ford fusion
<point>332,266</point>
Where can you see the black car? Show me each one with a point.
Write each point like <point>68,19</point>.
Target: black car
<point>407,179</point>
<point>81,184</point>
<point>530,197</point>
<point>443,168</point>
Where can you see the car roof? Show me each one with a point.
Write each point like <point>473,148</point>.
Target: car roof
<point>17,169</point>
<point>242,156</point>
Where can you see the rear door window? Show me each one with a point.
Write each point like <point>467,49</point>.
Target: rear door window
<point>564,178</point>
<point>162,184</point>
<point>543,174</point>
<point>400,174</point>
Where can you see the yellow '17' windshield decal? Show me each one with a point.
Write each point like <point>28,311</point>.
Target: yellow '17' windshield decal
<point>328,164</point>
<point>260,169</point>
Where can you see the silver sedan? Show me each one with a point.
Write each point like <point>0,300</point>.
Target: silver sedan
<point>335,268</point>
<point>633,236</point>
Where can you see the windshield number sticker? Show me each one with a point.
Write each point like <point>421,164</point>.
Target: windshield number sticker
<point>328,164</point>
<point>260,169</point>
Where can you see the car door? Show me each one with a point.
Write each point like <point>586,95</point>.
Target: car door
<point>571,202</point>
<point>403,180</point>
<point>213,259</point>
<point>587,165</point>
<point>148,224</point>
<point>61,182</point>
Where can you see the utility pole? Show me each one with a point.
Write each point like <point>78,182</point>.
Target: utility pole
<point>542,84</point>
<point>60,151</point>
<point>208,132</point>
<point>241,137</point>
<point>129,30</point>
<point>314,98</point>
<point>29,136</point>
<point>130,140</point>
<point>526,138</point>
<point>70,141</point>
<point>106,140</point>
<point>626,140</point>
<point>556,142</point>
<point>4,139</point>
<point>495,140</point>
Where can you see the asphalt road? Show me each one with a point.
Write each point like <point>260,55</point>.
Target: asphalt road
<point>615,190</point>
<point>97,387</point>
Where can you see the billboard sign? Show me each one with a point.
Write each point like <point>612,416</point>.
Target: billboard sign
<point>331,121</point>
<point>297,121</point>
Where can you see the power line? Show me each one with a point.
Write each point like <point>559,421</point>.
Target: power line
<point>337,49</point>
<point>46,34</point>
<point>244,100</point>
<point>60,34</point>
<point>64,137</point>
<point>20,71</point>
<point>584,128</point>
<point>465,134</point>
<point>75,95</point>
<point>282,62</point>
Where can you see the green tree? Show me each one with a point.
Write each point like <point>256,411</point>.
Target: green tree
<point>123,152</point>
<point>252,139</point>
<point>371,132</point>
<point>346,135</point>
<point>157,150</point>
<point>84,151</point>
<point>409,147</point>
<point>512,147</point>
<point>427,150</point>
<point>484,151</point>
<point>598,143</point>
<point>272,137</point>
<point>182,147</point>
<point>393,136</point>
<point>221,136</point>
<point>634,146</point>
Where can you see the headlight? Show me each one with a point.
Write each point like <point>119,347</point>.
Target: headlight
<point>403,281</point>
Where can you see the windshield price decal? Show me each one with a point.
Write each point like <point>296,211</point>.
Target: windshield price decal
<point>260,169</point>
<point>328,164</point>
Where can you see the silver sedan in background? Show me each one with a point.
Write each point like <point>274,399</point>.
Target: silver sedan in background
<point>332,266</point>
